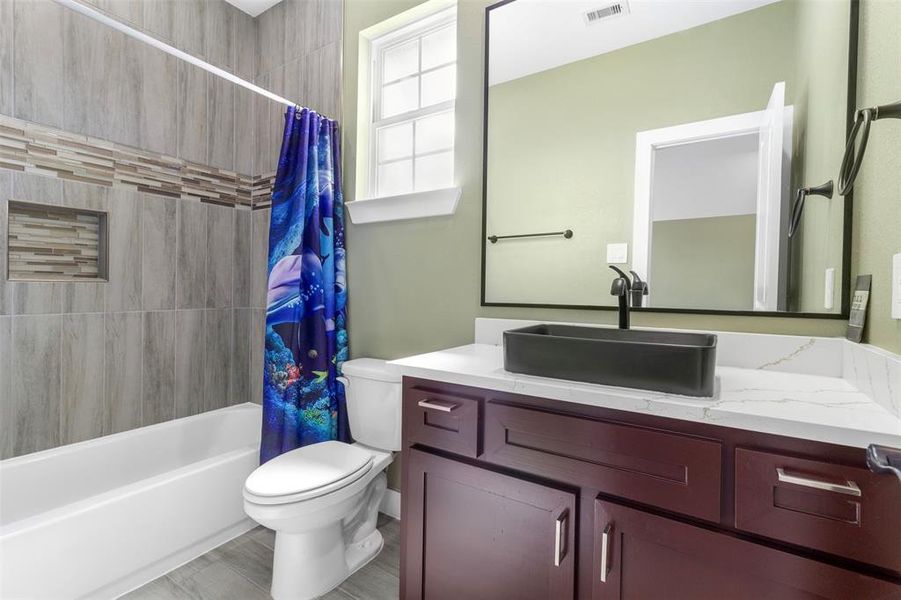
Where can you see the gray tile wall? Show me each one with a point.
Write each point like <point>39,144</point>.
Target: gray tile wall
<point>70,72</point>
<point>7,42</point>
<point>298,56</point>
<point>31,411</point>
<point>168,336</point>
<point>259,270</point>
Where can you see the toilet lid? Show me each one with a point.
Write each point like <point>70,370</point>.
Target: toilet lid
<point>308,469</point>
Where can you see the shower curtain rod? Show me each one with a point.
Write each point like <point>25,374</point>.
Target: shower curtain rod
<point>148,39</point>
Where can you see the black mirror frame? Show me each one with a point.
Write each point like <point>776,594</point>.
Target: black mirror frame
<point>854,23</point>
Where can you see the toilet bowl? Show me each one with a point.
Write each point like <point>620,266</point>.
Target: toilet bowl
<point>322,500</point>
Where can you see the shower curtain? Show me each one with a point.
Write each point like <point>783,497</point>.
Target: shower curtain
<point>306,336</point>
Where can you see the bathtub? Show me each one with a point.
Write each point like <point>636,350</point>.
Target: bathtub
<point>99,518</point>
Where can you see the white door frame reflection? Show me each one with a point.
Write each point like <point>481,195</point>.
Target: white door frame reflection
<point>773,192</point>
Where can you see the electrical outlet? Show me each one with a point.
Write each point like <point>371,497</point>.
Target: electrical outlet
<point>896,286</point>
<point>617,254</point>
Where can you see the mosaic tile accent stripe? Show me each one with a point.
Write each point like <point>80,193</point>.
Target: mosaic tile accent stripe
<point>54,243</point>
<point>262,191</point>
<point>25,146</point>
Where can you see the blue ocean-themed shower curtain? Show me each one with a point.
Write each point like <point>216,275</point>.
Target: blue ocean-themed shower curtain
<point>306,335</point>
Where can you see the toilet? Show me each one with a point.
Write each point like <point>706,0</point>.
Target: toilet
<point>322,500</point>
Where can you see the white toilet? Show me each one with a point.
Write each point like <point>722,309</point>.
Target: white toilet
<point>322,500</point>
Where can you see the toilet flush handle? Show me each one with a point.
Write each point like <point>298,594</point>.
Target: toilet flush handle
<point>343,381</point>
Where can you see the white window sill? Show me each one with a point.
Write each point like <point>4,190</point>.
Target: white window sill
<point>417,205</point>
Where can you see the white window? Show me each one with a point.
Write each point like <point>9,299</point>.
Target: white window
<point>414,83</point>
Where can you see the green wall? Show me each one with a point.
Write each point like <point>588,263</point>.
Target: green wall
<point>414,286</point>
<point>704,263</point>
<point>877,195</point>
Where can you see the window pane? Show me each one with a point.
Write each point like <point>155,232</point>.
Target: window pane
<point>400,97</point>
<point>435,171</point>
<point>400,61</point>
<point>435,132</point>
<point>439,85</point>
<point>395,142</point>
<point>439,48</point>
<point>395,178</point>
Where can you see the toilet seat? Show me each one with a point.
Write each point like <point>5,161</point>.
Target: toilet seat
<point>307,472</point>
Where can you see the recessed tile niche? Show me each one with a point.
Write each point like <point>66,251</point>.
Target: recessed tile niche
<point>55,243</point>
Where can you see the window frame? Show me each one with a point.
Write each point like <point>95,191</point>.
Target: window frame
<point>415,30</point>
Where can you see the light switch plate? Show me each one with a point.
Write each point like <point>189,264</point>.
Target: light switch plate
<point>896,286</point>
<point>617,254</point>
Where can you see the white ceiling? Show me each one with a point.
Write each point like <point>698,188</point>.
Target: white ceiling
<point>529,36</point>
<point>253,7</point>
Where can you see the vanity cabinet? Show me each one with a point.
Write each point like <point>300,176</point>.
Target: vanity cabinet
<point>511,496</point>
<point>477,534</point>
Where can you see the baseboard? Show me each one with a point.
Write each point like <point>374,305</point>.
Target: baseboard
<point>391,504</point>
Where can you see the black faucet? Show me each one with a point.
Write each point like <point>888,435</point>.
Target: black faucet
<point>622,288</point>
<point>639,290</point>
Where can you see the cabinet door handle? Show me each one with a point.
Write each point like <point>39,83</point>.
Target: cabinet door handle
<point>437,405</point>
<point>606,547</point>
<point>849,488</point>
<point>560,537</point>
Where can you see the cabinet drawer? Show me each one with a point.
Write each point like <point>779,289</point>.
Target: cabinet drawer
<point>443,421</point>
<point>673,471</point>
<point>846,511</point>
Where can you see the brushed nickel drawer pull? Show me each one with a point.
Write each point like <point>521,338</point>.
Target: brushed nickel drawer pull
<point>605,552</point>
<point>437,405</point>
<point>559,538</point>
<point>850,488</point>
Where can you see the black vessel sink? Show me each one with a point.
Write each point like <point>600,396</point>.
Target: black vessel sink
<point>664,361</point>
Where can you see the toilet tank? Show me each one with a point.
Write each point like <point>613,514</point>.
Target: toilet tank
<point>373,392</point>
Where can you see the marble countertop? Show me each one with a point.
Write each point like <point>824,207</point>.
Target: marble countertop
<point>813,407</point>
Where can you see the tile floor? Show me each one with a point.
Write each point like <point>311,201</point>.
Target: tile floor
<point>242,570</point>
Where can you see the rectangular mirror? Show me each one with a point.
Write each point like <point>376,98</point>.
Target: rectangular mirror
<point>668,138</point>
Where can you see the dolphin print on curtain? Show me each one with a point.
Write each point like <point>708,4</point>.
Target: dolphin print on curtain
<point>306,335</point>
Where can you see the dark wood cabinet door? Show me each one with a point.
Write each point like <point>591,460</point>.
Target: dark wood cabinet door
<point>638,555</point>
<point>470,533</point>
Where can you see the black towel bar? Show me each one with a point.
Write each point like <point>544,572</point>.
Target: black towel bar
<point>494,238</point>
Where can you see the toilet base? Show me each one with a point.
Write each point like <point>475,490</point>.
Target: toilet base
<point>310,564</point>
<point>364,551</point>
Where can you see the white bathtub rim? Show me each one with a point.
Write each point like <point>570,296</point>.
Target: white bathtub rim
<point>66,511</point>
<point>114,437</point>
